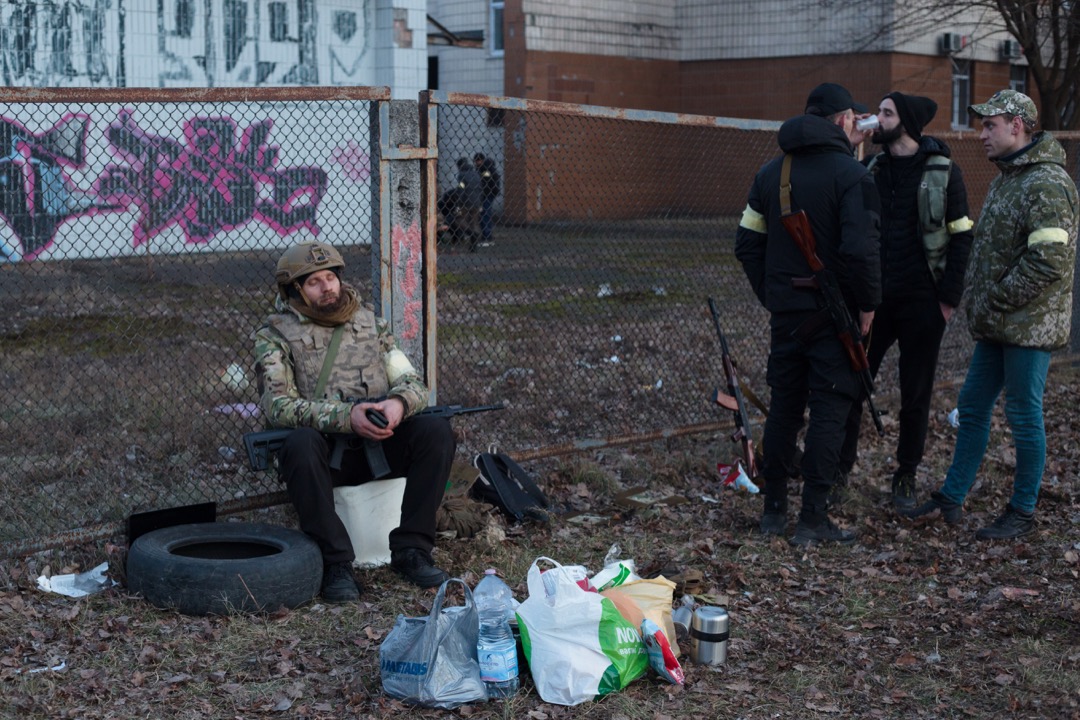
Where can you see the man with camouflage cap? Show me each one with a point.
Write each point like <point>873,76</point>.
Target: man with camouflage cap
<point>323,360</point>
<point>1019,307</point>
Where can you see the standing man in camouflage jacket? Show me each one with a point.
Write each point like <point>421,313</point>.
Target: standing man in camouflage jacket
<point>1019,307</point>
<point>323,361</point>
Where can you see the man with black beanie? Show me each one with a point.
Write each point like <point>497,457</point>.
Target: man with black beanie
<point>926,237</point>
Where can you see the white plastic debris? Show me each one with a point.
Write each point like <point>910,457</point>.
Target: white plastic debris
<point>954,418</point>
<point>604,291</point>
<point>244,410</point>
<point>79,585</point>
<point>235,378</point>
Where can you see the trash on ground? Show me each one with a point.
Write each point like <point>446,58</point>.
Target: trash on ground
<point>77,585</point>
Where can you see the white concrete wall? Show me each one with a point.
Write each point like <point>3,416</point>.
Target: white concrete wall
<point>215,43</point>
<point>473,70</point>
<point>626,28</point>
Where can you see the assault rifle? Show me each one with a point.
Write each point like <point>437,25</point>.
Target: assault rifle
<point>798,227</point>
<point>261,444</point>
<point>733,399</point>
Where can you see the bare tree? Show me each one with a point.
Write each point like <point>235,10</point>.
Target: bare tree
<point>1047,30</point>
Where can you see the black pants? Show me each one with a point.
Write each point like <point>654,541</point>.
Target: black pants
<point>917,326</point>
<point>805,372</point>
<point>422,449</point>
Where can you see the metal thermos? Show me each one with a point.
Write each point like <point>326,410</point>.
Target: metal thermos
<point>681,618</point>
<point>709,636</point>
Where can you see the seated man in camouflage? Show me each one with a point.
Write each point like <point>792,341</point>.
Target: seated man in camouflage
<point>323,361</point>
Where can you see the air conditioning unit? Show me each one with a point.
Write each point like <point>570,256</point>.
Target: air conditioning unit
<point>1010,49</point>
<point>950,43</point>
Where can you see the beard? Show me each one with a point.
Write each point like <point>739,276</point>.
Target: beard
<point>331,312</point>
<point>882,136</point>
<point>331,303</point>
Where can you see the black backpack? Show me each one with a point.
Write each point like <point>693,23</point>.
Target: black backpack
<point>504,484</point>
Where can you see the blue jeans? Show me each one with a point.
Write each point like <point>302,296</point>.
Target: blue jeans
<point>1022,373</point>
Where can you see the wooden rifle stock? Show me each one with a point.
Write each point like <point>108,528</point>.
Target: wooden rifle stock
<point>797,225</point>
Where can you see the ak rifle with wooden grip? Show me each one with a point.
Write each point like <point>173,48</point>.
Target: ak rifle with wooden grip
<point>798,227</point>
<point>733,400</point>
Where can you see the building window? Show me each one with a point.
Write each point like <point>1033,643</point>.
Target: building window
<point>495,28</point>
<point>1018,78</point>
<point>433,72</point>
<point>279,21</point>
<point>961,94</point>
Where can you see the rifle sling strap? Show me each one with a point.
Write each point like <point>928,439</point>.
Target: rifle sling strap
<point>785,186</point>
<point>328,362</point>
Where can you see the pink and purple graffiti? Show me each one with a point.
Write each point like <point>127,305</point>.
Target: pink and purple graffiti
<point>210,183</point>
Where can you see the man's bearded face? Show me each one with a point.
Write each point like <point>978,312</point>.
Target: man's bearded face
<point>323,291</point>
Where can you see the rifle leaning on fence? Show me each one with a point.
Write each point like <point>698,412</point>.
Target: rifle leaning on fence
<point>797,225</point>
<point>733,400</point>
<point>261,444</point>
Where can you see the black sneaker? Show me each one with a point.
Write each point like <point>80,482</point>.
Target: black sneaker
<point>826,532</point>
<point>903,492</point>
<point>951,512</point>
<point>339,585</point>
<point>1011,524</point>
<point>772,523</point>
<point>415,566</point>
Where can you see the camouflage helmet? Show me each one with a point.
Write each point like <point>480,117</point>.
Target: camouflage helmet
<point>302,260</point>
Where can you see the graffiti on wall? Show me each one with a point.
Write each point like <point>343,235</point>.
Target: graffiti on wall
<point>186,43</point>
<point>36,192</point>
<point>217,179</point>
<point>212,182</point>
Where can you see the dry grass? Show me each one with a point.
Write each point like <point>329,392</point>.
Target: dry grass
<point>918,620</point>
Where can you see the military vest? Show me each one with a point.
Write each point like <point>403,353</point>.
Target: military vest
<point>931,196</point>
<point>358,370</point>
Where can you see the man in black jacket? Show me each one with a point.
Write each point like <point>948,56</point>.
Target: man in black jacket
<point>807,361</point>
<point>926,236</point>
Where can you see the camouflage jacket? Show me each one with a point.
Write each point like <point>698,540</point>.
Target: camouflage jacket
<point>289,354</point>
<point>1020,275</point>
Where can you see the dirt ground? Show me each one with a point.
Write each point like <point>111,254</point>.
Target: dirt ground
<point>917,620</point>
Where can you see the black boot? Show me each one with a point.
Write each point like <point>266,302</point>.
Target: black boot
<point>903,491</point>
<point>824,532</point>
<point>415,566</point>
<point>774,514</point>
<point>951,512</point>
<point>339,585</point>
<point>1011,524</point>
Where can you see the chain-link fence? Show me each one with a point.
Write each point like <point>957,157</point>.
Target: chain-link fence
<point>141,262</point>
<point>139,242</point>
<point>587,307</point>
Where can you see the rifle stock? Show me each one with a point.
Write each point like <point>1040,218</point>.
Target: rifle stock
<point>797,225</point>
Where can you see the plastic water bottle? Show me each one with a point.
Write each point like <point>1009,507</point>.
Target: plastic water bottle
<point>496,650</point>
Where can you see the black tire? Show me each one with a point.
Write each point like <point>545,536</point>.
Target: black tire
<point>224,568</point>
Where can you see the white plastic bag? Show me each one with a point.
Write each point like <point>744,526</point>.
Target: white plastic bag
<point>579,647</point>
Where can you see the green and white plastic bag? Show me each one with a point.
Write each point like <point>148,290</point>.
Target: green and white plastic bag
<point>579,647</point>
